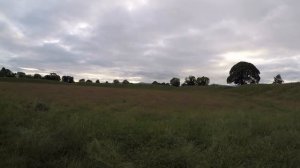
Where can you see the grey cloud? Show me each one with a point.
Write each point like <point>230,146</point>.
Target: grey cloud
<point>151,40</point>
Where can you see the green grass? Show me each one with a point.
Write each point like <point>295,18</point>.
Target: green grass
<point>58,125</point>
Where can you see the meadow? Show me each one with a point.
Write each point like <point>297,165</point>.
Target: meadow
<point>51,125</point>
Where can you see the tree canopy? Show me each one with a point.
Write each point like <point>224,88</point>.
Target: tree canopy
<point>125,82</point>
<point>190,81</point>
<point>175,82</point>
<point>37,76</point>
<point>68,79</point>
<point>52,76</point>
<point>203,81</point>
<point>243,73</point>
<point>116,81</point>
<point>278,79</point>
<point>21,75</point>
<point>6,73</point>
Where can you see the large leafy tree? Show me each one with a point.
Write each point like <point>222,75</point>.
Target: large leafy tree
<point>243,73</point>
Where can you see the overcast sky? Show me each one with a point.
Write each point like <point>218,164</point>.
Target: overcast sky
<point>147,40</point>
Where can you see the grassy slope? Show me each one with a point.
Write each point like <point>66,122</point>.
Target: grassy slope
<point>48,125</point>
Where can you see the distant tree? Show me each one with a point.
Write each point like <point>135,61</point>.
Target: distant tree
<point>106,82</point>
<point>21,75</point>
<point>71,79</point>
<point>98,81</point>
<point>243,73</point>
<point>82,81</point>
<point>116,81</point>
<point>52,76</point>
<point>6,73</point>
<point>155,83</point>
<point>190,81</point>
<point>203,81</point>
<point>184,84</point>
<point>125,82</point>
<point>175,82</point>
<point>278,79</point>
<point>165,84</point>
<point>37,76</point>
<point>68,79</point>
<point>29,76</point>
<point>89,81</point>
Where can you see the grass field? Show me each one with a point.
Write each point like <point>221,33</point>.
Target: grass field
<point>45,125</point>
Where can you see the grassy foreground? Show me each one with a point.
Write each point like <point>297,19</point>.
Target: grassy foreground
<point>54,125</point>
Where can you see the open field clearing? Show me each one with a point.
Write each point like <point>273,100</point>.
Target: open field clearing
<point>58,125</point>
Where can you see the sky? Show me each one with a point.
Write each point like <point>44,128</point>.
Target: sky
<point>147,40</point>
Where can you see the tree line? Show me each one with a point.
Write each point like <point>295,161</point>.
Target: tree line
<point>241,73</point>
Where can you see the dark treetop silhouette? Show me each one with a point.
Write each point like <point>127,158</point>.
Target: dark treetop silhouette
<point>244,73</point>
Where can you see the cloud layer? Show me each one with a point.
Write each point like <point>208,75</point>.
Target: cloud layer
<point>146,40</point>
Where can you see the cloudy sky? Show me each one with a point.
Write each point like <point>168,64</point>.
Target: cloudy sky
<point>147,40</point>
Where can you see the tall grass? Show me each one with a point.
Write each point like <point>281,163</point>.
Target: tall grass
<point>46,125</point>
